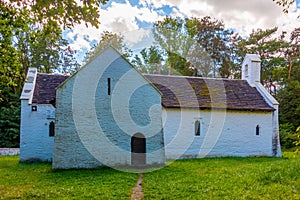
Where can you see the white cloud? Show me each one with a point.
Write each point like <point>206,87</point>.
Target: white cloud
<point>118,18</point>
<point>242,16</point>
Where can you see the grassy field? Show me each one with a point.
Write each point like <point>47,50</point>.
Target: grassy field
<point>38,181</point>
<point>226,178</point>
<point>215,178</point>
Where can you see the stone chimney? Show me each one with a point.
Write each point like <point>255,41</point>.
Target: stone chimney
<point>251,69</point>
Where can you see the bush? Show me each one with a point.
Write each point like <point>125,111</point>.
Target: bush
<point>289,136</point>
<point>10,125</point>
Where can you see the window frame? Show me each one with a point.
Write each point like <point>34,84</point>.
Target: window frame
<point>197,128</point>
<point>51,129</point>
<point>257,130</point>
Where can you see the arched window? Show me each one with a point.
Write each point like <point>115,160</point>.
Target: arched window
<point>51,129</point>
<point>197,128</point>
<point>257,130</point>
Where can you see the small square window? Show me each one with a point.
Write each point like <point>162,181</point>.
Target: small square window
<point>33,108</point>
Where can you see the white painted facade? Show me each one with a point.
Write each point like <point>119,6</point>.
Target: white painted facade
<point>35,142</point>
<point>222,133</point>
<point>95,127</point>
<point>251,68</point>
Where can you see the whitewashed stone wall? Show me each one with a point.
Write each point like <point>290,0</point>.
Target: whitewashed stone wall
<point>94,128</point>
<point>251,68</point>
<point>35,143</point>
<point>229,133</point>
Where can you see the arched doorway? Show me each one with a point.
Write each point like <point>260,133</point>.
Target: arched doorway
<point>138,150</point>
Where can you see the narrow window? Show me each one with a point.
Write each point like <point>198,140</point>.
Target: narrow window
<point>197,127</point>
<point>108,86</point>
<point>51,129</point>
<point>257,130</point>
<point>246,70</point>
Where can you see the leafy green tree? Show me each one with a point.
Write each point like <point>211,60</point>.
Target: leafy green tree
<point>10,122</point>
<point>170,35</point>
<point>270,48</point>
<point>289,99</point>
<point>289,114</point>
<point>109,39</point>
<point>293,53</point>
<point>63,12</point>
<point>150,61</point>
<point>183,40</point>
<point>31,36</point>
<point>216,40</point>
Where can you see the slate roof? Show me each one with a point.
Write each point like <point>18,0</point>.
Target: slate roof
<point>178,91</point>
<point>207,93</point>
<point>44,91</point>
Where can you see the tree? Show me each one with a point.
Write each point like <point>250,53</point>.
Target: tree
<point>293,50</point>
<point>170,35</point>
<point>150,61</point>
<point>109,39</point>
<point>62,12</point>
<point>31,36</point>
<point>183,40</point>
<point>289,99</point>
<point>285,4</point>
<point>270,49</point>
<point>200,61</point>
<point>216,40</point>
<point>289,113</point>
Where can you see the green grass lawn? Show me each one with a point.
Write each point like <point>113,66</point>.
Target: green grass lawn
<point>214,178</point>
<point>226,178</point>
<point>38,181</point>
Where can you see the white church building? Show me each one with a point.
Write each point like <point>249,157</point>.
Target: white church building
<point>108,114</point>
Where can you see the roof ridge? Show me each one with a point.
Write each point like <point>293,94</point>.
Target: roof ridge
<point>52,74</point>
<point>192,77</point>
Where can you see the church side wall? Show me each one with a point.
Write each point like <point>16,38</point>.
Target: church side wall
<point>229,133</point>
<point>35,142</point>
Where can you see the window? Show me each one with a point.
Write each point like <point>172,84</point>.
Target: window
<point>246,70</point>
<point>51,129</point>
<point>108,86</point>
<point>257,130</point>
<point>197,128</point>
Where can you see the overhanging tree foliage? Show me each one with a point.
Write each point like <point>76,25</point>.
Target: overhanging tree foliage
<point>31,36</point>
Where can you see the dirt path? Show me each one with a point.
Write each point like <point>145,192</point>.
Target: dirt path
<point>137,192</point>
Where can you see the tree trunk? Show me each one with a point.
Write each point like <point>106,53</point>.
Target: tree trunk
<point>291,67</point>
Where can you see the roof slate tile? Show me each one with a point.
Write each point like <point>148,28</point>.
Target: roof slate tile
<point>44,91</point>
<point>178,92</point>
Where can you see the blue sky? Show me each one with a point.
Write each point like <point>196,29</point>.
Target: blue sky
<point>134,18</point>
